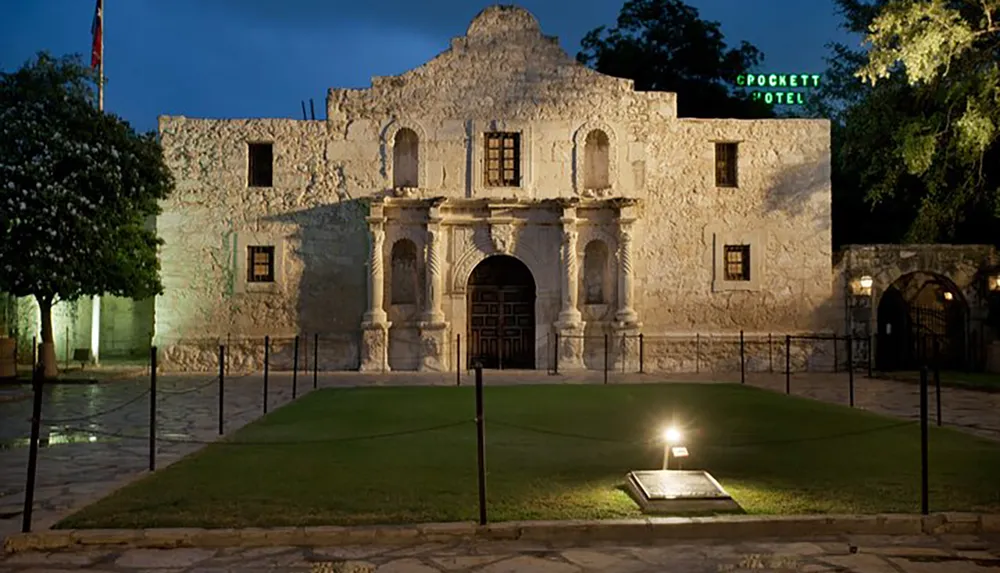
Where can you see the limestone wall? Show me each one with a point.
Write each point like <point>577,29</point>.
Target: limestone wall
<point>503,75</point>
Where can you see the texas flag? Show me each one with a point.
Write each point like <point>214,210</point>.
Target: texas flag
<point>97,29</point>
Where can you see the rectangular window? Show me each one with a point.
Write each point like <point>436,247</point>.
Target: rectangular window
<point>737,262</point>
<point>260,167</point>
<point>503,159</point>
<point>725,165</point>
<point>260,264</point>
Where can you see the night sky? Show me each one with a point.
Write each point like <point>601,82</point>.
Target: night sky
<point>260,58</point>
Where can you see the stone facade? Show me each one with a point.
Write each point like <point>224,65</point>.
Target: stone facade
<point>379,215</point>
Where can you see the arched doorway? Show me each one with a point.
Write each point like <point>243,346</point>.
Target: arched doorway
<point>917,310</point>
<point>501,314</point>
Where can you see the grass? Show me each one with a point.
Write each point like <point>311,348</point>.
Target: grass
<point>773,453</point>
<point>969,380</point>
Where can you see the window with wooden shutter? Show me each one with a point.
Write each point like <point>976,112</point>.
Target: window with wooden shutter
<point>725,165</point>
<point>737,262</point>
<point>260,264</point>
<point>503,159</point>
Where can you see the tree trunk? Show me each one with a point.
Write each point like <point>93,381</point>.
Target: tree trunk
<point>47,349</point>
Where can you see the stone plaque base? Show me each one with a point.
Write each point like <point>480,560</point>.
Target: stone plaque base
<point>678,491</point>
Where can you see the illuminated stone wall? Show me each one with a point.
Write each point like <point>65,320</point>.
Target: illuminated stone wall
<point>503,75</point>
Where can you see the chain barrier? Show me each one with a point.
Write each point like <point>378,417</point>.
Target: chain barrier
<point>225,442</point>
<point>99,414</point>
<point>161,390</point>
<point>735,445</point>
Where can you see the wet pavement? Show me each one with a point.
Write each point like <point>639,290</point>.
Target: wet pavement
<point>101,431</point>
<point>856,554</point>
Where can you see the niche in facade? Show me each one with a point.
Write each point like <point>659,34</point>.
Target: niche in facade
<point>596,152</point>
<point>404,272</point>
<point>595,273</point>
<point>405,159</point>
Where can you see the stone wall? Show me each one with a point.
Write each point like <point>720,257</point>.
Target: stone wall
<point>502,75</point>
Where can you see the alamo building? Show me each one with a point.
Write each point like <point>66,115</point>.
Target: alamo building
<point>500,193</point>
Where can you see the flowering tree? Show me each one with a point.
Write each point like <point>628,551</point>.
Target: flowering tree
<point>78,189</point>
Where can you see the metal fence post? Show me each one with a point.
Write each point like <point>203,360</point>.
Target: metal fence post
<point>937,380</point>
<point>788,364</point>
<point>295,369</point>
<point>458,360</point>
<point>605,358</point>
<point>924,479</point>
<point>743,375</point>
<point>850,369</point>
<point>481,443</point>
<point>152,409</point>
<point>836,356</point>
<point>557,353</point>
<point>871,342</point>
<point>315,361</point>
<point>641,348</point>
<point>222,386</point>
<point>267,359</point>
<point>36,421</point>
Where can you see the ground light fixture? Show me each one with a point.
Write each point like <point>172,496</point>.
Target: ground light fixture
<point>676,492</point>
<point>672,445</point>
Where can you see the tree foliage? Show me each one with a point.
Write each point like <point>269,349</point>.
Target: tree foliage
<point>78,188</point>
<point>915,153</point>
<point>663,45</point>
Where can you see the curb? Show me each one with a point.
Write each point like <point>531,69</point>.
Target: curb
<point>625,530</point>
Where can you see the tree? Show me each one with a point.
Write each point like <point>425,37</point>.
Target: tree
<point>77,188</point>
<point>949,53</point>
<point>915,157</point>
<point>663,45</point>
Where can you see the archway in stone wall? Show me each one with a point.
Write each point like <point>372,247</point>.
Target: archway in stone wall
<point>916,311</point>
<point>501,314</point>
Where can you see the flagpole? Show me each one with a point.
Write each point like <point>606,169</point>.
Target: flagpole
<point>95,310</point>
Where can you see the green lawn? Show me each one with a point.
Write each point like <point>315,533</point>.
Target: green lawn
<point>774,454</point>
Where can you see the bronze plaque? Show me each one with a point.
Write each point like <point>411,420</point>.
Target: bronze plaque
<point>677,484</point>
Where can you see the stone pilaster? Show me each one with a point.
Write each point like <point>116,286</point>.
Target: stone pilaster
<point>434,351</point>
<point>375,324</point>
<point>626,317</point>
<point>570,323</point>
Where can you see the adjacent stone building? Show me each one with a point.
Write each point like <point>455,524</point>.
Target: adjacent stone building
<point>501,194</point>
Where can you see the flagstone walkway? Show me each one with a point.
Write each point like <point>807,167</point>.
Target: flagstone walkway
<point>95,461</point>
<point>855,554</point>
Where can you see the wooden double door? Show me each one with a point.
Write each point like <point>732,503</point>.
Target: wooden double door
<point>501,315</point>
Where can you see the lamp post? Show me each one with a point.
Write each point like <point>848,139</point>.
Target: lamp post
<point>671,437</point>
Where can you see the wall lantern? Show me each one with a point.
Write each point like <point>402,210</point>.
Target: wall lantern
<point>994,283</point>
<point>948,296</point>
<point>862,286</point>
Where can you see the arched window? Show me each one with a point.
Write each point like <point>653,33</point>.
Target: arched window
<point>405,158</point>
<point>595,272</point>
<point>596,150</point>
<point>404,272</point>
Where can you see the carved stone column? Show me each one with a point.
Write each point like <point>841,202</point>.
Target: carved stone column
<point>626,313</point>
<point>570,323</point>
<point>375,324</point>
<point>433,328</point>
<point>626,328</point>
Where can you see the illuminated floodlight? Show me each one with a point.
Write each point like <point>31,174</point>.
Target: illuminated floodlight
<point>671,435</point>
<point>948,295</point>
<point>866,282</point>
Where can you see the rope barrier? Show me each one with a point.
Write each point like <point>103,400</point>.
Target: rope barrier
<point>188,390</point>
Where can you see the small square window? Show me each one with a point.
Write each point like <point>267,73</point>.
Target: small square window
<point>737,262</point>
<point>260,264</point>
<point>725,164</point>
<point>503,159</point>
<point>260,165</point>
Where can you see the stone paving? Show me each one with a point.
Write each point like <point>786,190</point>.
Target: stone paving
<point>71,475</point>
<point>842,554</point>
